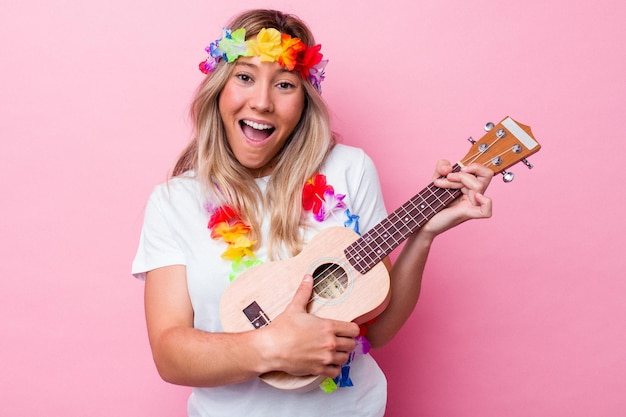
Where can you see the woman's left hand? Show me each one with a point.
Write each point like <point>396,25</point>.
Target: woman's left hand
<point>472,180</point>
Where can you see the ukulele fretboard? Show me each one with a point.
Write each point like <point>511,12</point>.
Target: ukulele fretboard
<point>382,239</point>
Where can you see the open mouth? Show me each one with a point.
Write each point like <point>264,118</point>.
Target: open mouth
<point>256,131</point>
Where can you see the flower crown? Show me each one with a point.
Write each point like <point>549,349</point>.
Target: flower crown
<point>271,46</point>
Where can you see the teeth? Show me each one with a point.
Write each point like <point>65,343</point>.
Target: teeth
<point>257,126</point>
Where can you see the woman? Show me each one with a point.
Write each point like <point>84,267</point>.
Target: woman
<point>265,173</point>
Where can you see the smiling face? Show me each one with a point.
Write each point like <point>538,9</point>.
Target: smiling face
<point>260,106</point>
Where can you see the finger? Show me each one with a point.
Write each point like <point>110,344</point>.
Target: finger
<point>480,171</point>
<point>485,203</point>
<point>345,344</point>
<point>347,329</point>
<point>451,180</point>
<point>469,181</point>
<point>331,371</point>
<point>442,168</point>
<point>303,294</point>
<point>481,205</point>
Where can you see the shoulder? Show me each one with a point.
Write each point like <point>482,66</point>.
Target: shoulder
<point>346,152</point>
<point>181,190</point>
<point>350,171</point>
<point>344,157</point>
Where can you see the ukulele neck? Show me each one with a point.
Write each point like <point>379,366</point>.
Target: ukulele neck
<point>382,239</point>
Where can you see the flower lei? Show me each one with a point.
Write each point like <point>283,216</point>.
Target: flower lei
<point>320,199</point>
<point>226,224</point>
<point>271,46</point>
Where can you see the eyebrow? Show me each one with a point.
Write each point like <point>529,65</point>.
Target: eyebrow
<point>247,64</point>
<point>252,65</point>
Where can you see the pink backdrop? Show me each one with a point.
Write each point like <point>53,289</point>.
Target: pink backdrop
<point>521,315</point>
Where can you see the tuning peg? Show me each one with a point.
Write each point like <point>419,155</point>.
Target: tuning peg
<point>528,164</point>
<point>488,126</point>
<point>471,140</point>
<point>507,176</point>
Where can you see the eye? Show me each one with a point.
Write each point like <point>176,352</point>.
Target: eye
<point>285,85</point>
<point>243,77</point>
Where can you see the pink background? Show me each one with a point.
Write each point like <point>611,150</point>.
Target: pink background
<point>523,314</point>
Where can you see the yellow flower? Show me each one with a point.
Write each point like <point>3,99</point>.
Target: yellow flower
<point>238,249</point>
<point>266,45</point>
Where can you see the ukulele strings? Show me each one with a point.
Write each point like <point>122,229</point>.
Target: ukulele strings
<point>330,270</point>
<point>334,270</point>
<point>451,195</point>
<point>472,158</point>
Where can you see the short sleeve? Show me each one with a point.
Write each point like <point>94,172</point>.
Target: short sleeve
<point>158,246</point>
<point>351,171</point>
<point>367,196</point>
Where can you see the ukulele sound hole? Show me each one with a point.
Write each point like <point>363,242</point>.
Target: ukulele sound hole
<point>330,281</point>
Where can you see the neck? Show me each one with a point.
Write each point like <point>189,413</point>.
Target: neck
<point>263,171</point>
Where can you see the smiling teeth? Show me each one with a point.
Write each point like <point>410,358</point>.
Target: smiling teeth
<point>257,126</point>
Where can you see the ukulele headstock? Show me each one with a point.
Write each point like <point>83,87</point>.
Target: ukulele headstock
<point>504,145</point>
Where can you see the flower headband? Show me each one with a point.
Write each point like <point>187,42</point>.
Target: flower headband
<point>271,46</point>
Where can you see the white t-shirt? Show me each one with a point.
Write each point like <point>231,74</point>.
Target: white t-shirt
<point>175,233</point>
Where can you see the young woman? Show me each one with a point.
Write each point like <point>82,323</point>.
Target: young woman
<point>262,176</point>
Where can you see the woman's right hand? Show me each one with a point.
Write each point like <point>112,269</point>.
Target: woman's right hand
<point>300,343</point>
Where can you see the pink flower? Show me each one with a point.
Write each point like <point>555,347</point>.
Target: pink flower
<point>331,203</point>
<point>209,65</point>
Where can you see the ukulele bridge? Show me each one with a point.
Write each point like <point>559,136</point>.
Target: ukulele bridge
<point>256,315</point>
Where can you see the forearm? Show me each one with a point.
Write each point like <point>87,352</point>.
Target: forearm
<point>191,357</point>
<point>406,273</point>
<point>188,356</point>
<point>406,281</point>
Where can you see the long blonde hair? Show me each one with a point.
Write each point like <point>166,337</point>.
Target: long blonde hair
<point>226,180</point>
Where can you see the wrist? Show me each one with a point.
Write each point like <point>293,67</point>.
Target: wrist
<point>424,238</point>
<point>263,345</point>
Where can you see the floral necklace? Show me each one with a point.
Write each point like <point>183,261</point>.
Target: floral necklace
<point>320,199</point>
<point>226,224</point>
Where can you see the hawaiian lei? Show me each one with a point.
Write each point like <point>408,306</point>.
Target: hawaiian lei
<point>271,46</point>
<point>320,199</point>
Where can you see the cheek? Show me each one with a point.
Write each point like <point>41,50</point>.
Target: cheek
<point>296,108</point>
<point>229,100</point>
<point>221,105</point>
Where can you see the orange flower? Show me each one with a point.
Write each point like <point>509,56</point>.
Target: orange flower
<point>229,233</point>
<point>291,47</point>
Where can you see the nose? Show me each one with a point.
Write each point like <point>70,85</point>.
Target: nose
<point>261,99</point>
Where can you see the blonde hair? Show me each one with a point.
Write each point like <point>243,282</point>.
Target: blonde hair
<point>227,181</point>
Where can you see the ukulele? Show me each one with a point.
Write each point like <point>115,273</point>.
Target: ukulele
<point>350,282</point>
